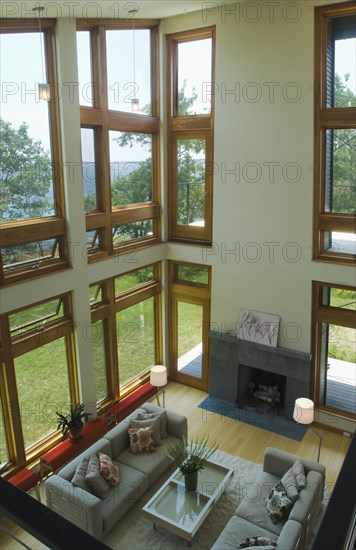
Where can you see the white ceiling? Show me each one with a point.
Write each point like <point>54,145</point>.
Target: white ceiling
<point>147,9</point>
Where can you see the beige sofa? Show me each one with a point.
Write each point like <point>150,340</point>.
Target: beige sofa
<point>137,473</point>
<point>251,518</point>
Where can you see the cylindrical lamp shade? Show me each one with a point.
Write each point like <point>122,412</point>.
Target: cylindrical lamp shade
<point>303,410</point>
<point>44,92</point>
<point>158,376</point>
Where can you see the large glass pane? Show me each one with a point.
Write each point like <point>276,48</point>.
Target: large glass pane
<point>86,90</point>
<point>194,77</point>
<point>339,243</point>
<point>32,255</point>
<point>89,169</point>
<point>130,168</point>
<point>190,331</point>
<point>191,181</point>
<point>344,32</point>
<point>99,360</point>
<point>340,176</point>
<point>339,297</point>
<point>129,69</point>
<point>26,181</point>
<point>43,388</point>
<point>134,279</point>
<point>340,390</point>
<point>136,340</point>
<point>131,231</point>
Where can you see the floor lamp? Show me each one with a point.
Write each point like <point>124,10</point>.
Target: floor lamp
<point>304,414</point>
<point>158,378</point>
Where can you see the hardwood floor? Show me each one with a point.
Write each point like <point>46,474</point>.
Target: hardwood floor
<point>235,438</point>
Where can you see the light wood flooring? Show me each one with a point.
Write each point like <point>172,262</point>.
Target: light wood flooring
<point>234,437</point>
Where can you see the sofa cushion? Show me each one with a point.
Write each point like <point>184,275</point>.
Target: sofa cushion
<point>257,541</point>
<point>143,414</point>
<point>120,499</point>
<point>153,423</point>
<point>298,471</point>
<point>253,506</point>
<point>278,504</point>
<point>151,464</point>
<point>94,479</point>
<point>108,470</point>
<point>141,440</point>
<point>236,530</point>
<point>289,482</point>
<point>102,446</point>
<point>79,477</point>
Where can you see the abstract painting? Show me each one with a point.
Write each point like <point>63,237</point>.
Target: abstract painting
<point>258,327</point>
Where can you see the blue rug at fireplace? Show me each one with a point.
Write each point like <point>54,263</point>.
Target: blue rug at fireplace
<point>256,416</point>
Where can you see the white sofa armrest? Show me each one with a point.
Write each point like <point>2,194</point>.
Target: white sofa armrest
<point>73,503</point>
<point>277,462</point>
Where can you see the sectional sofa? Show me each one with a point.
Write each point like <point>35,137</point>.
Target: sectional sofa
<point>137,472</point>
<point>251,518</point>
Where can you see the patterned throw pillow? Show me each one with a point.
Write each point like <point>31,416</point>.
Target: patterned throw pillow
<point>141,440</point>
<point>108,470</point>
<point>278,504</point>
<point>153,423</point>
<point>256,541</point>
<point>94,479</point>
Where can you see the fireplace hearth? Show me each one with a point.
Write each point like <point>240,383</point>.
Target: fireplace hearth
<point>233,362</point>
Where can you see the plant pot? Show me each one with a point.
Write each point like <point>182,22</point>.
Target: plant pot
<point>76,434</point>
<point>191,481</point>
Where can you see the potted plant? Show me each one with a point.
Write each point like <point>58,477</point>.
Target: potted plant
<point>191,459</point>
<point>72,423</point>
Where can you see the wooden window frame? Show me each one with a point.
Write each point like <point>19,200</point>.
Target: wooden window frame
<point>328,118</point>
<point>50,227</point>
<point>102,120</point>
<point>191,127</point>
<point>330,315</point>
<point>17,345</point>
<point>106,311</point>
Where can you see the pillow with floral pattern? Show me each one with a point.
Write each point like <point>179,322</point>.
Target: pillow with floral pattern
<point>108,470</point>
<point>141,440</point>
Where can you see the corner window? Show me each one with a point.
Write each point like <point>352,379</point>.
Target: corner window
<point>335,131</point>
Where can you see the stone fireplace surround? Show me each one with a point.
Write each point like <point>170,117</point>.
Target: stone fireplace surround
<point>227,353</point>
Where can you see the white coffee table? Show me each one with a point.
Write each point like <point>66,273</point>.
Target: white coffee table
<point>181,511</point>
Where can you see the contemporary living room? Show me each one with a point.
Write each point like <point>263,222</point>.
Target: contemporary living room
<point>130,285</point>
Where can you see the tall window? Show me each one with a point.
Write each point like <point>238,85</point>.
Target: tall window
<point>120,147</point>
<point>335,134</point>
<point>334,341</point>
<point>126,331</point>
<point>38,375</point>
<point>190,134</point>
<point>31,187</point>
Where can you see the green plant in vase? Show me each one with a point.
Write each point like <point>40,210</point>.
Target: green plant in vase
<point>191,458</point>
<point>72,423</point>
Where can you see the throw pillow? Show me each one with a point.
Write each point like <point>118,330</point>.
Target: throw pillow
<point>143,415</point>
<point>95,480</point>
<point>153,423</point>
<point>108,470</point>
<point>141,440</point>
<point>298,471</point>
<point>289,482</point>
<point>79,476</point>
<point>278,504</point>
<point>256,541</point>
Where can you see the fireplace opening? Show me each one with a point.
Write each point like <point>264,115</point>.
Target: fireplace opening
<point>263,389</point>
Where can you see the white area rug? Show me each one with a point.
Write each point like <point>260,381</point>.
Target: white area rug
<point>134,532</point>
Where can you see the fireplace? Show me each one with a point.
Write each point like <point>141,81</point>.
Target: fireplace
<point>232,362</point>
<point>263,389</point>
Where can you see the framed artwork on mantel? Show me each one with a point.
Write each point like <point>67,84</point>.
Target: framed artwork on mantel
<point>258,327</point>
